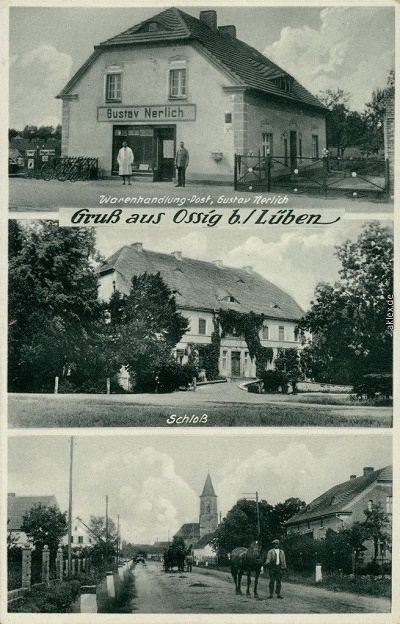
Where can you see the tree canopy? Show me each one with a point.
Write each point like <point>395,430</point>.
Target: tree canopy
<point>45,526</point>
<point>53,302</point>
<point>347,320</point>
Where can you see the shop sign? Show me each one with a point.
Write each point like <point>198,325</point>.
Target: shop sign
<point>162,112</point>
<point>47,152</point>
<point>30,152</point>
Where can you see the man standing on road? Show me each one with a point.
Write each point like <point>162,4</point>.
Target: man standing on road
<point>276,562</point>
<point>125,160</point>
<point>181,163</point>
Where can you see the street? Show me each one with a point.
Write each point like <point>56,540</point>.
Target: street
<point>40,195</point>
<point>212,591</point>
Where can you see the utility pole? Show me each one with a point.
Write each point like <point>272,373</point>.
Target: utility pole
<point>254,496</point>
<point>107,530</point>
<point>118,540</point>
<point>71,460</point>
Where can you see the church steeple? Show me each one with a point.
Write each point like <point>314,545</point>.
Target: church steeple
<point>208,519</point>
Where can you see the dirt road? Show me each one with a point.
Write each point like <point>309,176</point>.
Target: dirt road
<point>212,591</point>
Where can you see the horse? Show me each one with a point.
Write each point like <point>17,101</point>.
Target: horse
<point>173,558</point>
<point>247,560</point>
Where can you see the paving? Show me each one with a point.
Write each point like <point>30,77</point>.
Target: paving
<point>29,194</point>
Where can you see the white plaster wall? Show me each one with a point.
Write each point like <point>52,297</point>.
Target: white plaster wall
<point>145,81</point>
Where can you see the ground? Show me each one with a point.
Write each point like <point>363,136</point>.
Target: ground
<point>27,194</point>
<point>212,591</point>
<point>214,405</point>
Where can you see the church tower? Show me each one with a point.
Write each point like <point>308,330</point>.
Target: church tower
<point>208,519</point>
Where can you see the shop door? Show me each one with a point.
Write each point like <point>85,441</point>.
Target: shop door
<point>164,139</point>
<point>140,140</point>
<point>235,363</point>
<point>293,149</point>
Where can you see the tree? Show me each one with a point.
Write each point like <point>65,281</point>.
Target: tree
<point>239,527</point>
<point>104,537</point>
<point>45,526</point>
<point>375,527</point>
<point>283,511</point>
<point>53,304</point>
<point>343,126</point>
<point>374,115</point>
<point>348,320</point>
<point>145,326</point>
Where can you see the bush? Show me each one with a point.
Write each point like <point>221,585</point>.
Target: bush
<point>374,384</point>
<point>274,380</point>
<point>58,598</point>
<point>173,375</point>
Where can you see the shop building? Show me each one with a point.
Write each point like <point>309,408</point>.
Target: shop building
<point>175,78</point>
<point>201,290</point>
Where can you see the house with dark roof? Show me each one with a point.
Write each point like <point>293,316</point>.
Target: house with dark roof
<point>18,507</point>
<point>198,535</point>
<point>344,504</point>
<point>174,77</point>
<point>201,290</point>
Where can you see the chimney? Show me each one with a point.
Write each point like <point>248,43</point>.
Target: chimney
<point>367,470</point>
<point>248,269</point>
<point>353,477</point>
<point>177,255</point>
<point>218,263</point>
<point>228,30</point>
<point>209,18</point>
<point>137,246</point>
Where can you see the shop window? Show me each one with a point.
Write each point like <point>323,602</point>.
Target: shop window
<point>315,146</point>
<point>177,83</point>
<point>281,333</point>
<point>114,88</point>
<point>285,151</point>
<point>202,327</point>
<point>300,149</point>
<point>267,142</point>
<point>265,332</point>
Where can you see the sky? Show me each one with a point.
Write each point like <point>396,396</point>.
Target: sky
<point>324,48</point>
<point>154,481</point>
<point>294,259</point>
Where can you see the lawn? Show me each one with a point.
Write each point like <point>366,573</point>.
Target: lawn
<point>113,411</point>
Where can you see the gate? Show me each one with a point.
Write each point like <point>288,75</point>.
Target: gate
<point>352,176</point>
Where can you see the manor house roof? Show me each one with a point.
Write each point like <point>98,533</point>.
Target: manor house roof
<point>339,497</point>
<point>197,284</point>
<point>246,66</point>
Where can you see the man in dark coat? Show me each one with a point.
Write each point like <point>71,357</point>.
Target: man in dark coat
<point>276,562</point>
<point>181,163</point>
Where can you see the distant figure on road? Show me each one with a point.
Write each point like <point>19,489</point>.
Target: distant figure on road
<point>276,562</point>
<point>181,163</point>
<point>125,160</point>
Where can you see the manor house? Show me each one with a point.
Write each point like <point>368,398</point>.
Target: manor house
<point>202,289</point>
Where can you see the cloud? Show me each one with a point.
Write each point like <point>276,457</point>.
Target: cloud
<point>349,44</point>
<point>295,261</point>
<point>151,498</point>
<point>275,476</point>
<point>37,77</point>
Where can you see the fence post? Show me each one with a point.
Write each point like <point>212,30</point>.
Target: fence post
<point>387,177</point>
<point>59,564</point>
<point>110,584</point>
<point>27,566</point>
<point>235,174</point>
<point>56,379</point>
<point>325,174</point>
<point>318,573</point>
<point>108,385</point>
<point>268,171</point>
<point>88,601</point>
<point>79,565</point>
<point>46,566</point>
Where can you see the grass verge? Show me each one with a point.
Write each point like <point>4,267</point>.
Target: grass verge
<point>367,585</point>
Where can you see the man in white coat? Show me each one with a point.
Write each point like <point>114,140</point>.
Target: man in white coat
<point>125,159</point>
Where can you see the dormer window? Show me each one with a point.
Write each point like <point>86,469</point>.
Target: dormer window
<point>285,83</point>
<point>153,26</point>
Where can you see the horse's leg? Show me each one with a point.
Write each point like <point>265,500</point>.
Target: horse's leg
<point>238,590</point>
<point>257,574</point>
<point>248,582</point>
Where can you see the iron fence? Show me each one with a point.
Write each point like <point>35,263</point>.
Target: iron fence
<point>327,174</point>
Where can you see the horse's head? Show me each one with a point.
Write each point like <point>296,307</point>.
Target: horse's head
<point>257,552</point>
